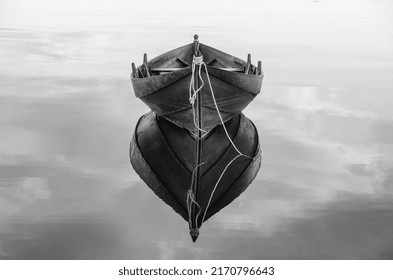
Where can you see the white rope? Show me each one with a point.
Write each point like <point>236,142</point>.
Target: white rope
<point>215,187</point>
<point>199,61</point>
<point>229,138</point>
<point>191,199</point>
<point>192,97</point>
<point>219,114</point>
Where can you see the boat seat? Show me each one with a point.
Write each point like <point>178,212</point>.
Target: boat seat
<point>165,69</point>
<point>175,69</point>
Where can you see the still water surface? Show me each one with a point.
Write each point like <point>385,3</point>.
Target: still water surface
<point>67,114</point>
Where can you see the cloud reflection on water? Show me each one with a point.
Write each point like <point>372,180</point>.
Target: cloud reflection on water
<point>324,118</point>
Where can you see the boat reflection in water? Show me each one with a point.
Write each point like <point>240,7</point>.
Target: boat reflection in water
<point>201,155</point>
<point>163,155</point>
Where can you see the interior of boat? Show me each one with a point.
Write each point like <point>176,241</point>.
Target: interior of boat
<point>182,57</point>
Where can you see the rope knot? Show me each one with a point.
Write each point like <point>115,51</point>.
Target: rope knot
<point>197,60</point>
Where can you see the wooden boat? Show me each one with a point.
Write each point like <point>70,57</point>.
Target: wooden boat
<point>164,156</point>
<point>163,84</point>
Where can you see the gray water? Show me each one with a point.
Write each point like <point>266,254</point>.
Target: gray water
<point>324,116</point>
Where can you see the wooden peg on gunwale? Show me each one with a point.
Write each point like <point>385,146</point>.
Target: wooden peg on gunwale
<point>196,45</point>
<point>134,70</point>
<point>259,67</point>
<point>248,64</point>
<point>146,70</point>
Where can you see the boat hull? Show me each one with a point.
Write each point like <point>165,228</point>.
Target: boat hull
<point>168,94</point>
